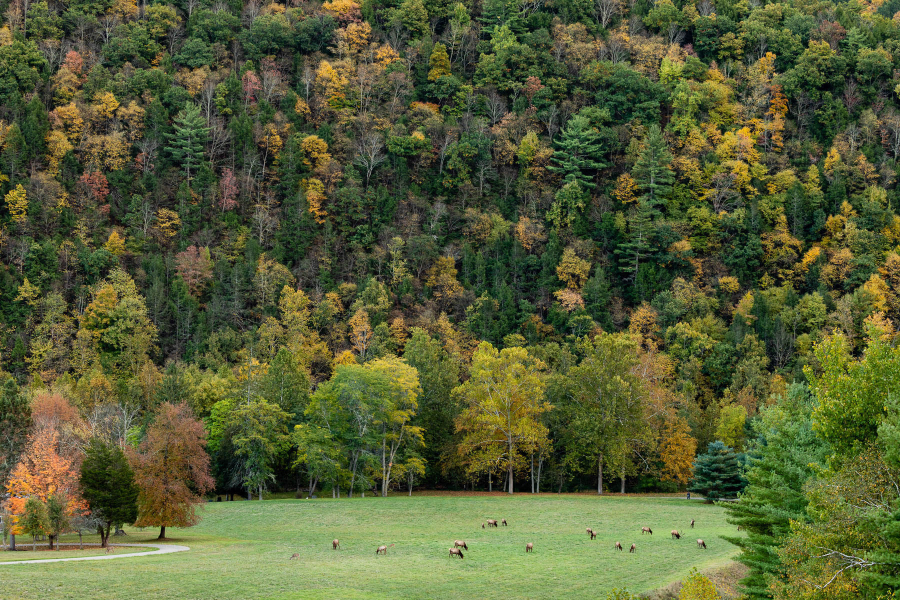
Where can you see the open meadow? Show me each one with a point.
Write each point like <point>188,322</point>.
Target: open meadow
<point>243,549</point>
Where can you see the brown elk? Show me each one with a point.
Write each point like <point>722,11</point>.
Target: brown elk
<point>646,530</point>
<point>383,550</point>
<point>492,522</point>
<point>294,555</point>
<point>692,523</point>
<point>335,544</point>
<point>108,549</point>
<point>460,544</point>
<point>482,525</point>
<point>456,552</point>
<point>591,533</point>
<point>633,548</point>
<point>618,545</point>
<point>504,522</point>
<point>701,544</point>
<point>529,547</point>
<point>676,535</point>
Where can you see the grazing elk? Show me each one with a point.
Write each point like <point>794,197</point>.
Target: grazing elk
<point>591,532</point>
<point>504,522</point>
<point>482,525</point>
<point>692,523</point>
<point>294,555</point>
<point>460,544</point>
<point>701,544</point>
<point>618,546</point>
<point>382,550</point>
<point>456,552</point>
<point>529,547</point>
<point>646,530</point>
<point>335,544</point>
<point>676,535</point>
<point>492,523</point>
<point>633,548</point>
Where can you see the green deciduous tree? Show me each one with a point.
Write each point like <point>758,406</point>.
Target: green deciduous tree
<point>502,403</point>
<point>258,431</point>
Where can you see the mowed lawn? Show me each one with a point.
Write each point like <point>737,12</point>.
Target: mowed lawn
<point>241,550</point>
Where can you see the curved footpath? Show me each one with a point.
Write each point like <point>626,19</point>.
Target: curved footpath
<point>160,549</point>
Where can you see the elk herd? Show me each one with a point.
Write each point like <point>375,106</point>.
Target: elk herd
<point>460,545</point>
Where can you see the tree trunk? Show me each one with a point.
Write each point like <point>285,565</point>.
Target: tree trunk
<point>260,493</point>
<point>80,541</point>
<point>600,475</point>
<point>34,543</point>
<point>490,484</point>
<point>623,485</point>
<point>510,475</point>
<point>540,470</point>
<point>162,533</point>
<point>52,540</point>
<point>249,493</point>
<point>532,472</point>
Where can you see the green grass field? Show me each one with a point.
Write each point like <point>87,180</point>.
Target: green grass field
<point>67,553</point>
<point>241,550</point>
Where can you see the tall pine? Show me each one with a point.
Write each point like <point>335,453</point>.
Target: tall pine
<point>188,139</point>
<point>652,170</point>
<point>782,458</point>
<point>579,152</point>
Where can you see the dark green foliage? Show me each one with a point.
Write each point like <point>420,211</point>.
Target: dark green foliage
<point>718,473</point>
<point>107,484</point>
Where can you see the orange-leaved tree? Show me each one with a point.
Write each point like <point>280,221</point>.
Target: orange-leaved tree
<point>171,469</point>
<point>43,470</point>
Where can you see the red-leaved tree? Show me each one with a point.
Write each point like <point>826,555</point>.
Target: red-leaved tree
<point>195,267</point>
<point>171,468</point>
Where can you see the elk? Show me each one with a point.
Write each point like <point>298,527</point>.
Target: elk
<point>646,530</point>
<point>108,549</point>
<point>504,522</point>
<point>492,522</point>
<point>482,525</point>
<point>701,544</point>
<point>335,544</point>
<point>692,523</point>
<point>591,533</point>
<point>529,547</point>
<point>460,544</point>
<point>676,535</point>
<point>633,548</point>
<point>456,552</point>
<point>618,546</point>
<point>294,555</point>
<point>382,550</point>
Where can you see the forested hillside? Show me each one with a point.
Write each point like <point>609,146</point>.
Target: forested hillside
<point>559,245</point>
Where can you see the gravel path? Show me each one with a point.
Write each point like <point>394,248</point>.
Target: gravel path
<point>160,549</point>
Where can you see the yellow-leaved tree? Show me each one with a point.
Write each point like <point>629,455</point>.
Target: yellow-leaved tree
<point>502,404</point>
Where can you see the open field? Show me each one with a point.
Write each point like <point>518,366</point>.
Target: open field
<point>242,549</point>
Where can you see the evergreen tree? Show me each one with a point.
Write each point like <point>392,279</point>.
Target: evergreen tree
<point>107,484</point>
<point>579,152</point>
<point>652,170</point>
<point>636,247</point>
<point>188,139</point>
<point>717,474</point>
<point>782,458</point>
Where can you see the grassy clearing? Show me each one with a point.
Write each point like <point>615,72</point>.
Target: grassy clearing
<point>43,553</point>
<point>241,550</point>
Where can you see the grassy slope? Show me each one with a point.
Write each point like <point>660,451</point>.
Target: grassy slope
<point>241,550</point>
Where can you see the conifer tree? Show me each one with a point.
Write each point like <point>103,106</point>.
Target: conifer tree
<point>188,139</point>
<point>717,474</point>
<point>579,152</point>
<point>652,170</point>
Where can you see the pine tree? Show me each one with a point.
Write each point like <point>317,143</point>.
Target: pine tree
<point>717,474</point>
<point>188,139</point>
<point>782,459</point>
<point>652,170</point>
<point>107,484</point>
<point>637,247</point>
<point>579,152</point>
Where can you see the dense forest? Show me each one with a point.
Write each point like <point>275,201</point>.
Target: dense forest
<point>496,244</point>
